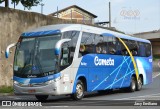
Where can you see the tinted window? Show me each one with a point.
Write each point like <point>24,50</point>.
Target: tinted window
<point>73,35</point>
<point>68,48</point>
<point>99,43</point>
<point>104,45</point>
<point>136,48</point>
<point>148,49</point>
<point>87,44</point>
<point>144,49</point>
<point>112,45</point>
<point>133,46</point>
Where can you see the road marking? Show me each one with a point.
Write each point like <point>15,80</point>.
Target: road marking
<point>156,75</point>
<point>138,96</point>
<point>58,106</point>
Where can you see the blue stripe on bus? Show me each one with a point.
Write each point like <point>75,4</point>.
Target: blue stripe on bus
<point>36,80</point>
<point>40,33</point>
<point>6,54</point>
<point>57,51</point>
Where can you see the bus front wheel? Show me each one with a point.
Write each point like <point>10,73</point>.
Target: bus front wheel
<point>41,97</point>
<point>132,86</point>
<point>78,95</point>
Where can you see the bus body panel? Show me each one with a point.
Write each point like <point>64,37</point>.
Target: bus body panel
<point>101,71</point>
<point>119,76</point>
<point>98,78</point>
<point>36,85</point>
<point>145,68</point>
<point>105,76</point>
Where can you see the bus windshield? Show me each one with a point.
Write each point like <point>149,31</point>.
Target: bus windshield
<point>35,57</point>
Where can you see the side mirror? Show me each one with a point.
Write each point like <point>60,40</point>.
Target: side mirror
<point>7,49</point>
<point>59,44</point>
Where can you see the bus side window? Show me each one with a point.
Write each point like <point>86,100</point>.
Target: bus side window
<point>133,47</point>
<point>123,48</point>
<point>99,42</point>
<point>118,47</point>
<point>105,45</point>
<point>68,48</point>
<point>112,45</point>
<point>142,49</point>
<point>65,57</point>
<point>87,44</point>
<point>148,49</point>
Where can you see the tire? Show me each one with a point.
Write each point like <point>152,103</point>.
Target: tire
<point>105,91</point>
<point>41,97</point>
<point>101,92</point>
<point>132,86</point>
<point>78,95</point>
<point>139,84</point>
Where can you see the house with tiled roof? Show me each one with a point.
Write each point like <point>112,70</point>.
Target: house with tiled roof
<point>76,14</point>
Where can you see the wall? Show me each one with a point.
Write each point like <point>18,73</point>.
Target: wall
<point>12,24</point>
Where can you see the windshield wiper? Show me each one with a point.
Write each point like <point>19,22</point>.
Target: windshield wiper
<point>39,64</point>
<point>26,63</point>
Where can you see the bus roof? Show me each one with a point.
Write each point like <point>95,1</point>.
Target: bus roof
<point>126,37</point>
<point>58,28</point>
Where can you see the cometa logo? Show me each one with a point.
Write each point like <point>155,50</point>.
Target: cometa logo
<point>106,62</point>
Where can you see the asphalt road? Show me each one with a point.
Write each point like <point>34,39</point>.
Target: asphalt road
<point>149,94</point>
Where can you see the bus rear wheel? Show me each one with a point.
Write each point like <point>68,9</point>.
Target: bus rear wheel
<point>139,84</point>
<point>78,95</point>
<point>132,86</point>
<point>41,97</point>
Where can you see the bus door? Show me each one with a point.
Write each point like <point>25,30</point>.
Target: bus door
<point>66,60</point>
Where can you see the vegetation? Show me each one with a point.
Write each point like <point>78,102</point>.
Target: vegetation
<point>26,3</point>
<point>6,89</point>
<point>156,57</point>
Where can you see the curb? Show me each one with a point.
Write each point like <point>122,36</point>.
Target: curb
<point>6,94</point>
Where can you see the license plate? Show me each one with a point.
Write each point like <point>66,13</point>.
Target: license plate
<point>32,91</point>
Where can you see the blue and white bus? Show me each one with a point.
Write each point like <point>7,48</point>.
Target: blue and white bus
<point>69,59</point>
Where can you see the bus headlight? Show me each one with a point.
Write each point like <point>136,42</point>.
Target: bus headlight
<point>53,80</point>
<point>57,79</point>
<point>16,83</point>
<point>49,82</point>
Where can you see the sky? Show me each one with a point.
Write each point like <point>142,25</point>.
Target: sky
<point>129,16</point>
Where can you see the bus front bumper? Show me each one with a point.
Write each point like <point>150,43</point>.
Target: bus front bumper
<point>50,89</point>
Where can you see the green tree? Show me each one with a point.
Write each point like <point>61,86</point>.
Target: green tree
<point>26,3</point>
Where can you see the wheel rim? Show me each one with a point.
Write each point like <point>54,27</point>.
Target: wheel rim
<point>139,83</point>
<point>79,90</point>
<point>133,85</point>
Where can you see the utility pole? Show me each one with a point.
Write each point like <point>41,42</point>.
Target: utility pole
<point>57,12</point>
<point>42,8</point>
<point>71,15</point>
<point>109,15</point>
